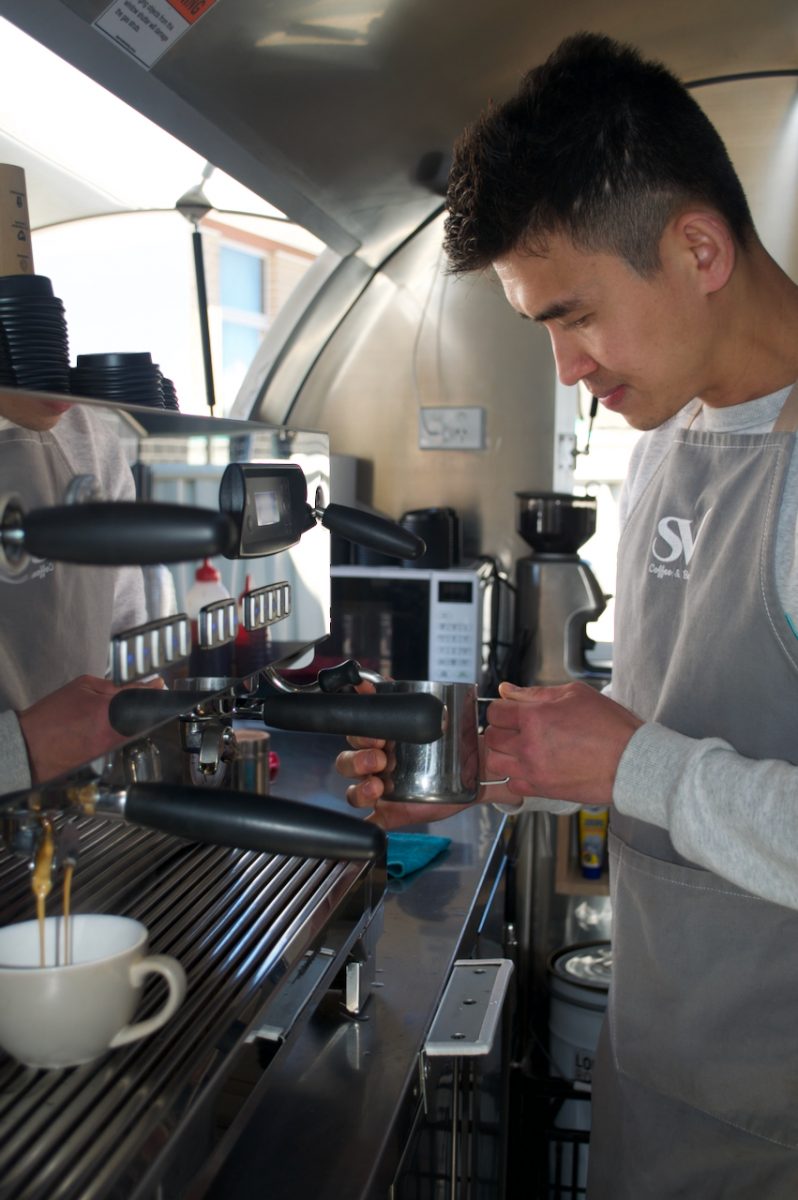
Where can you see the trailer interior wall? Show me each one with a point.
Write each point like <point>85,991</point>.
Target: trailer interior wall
<point>417,338</point>
<point>343,115</point>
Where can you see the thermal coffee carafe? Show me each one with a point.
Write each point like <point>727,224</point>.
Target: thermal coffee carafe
<point>557,594</point>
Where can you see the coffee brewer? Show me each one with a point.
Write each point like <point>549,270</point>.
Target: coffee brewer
<point>557,594</point>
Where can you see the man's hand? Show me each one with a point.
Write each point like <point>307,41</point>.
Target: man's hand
<point>70,726</point>
<point>364,763</point>
<point>562,743</point>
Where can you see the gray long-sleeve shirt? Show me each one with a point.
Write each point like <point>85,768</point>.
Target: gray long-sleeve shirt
<point>735,816</point>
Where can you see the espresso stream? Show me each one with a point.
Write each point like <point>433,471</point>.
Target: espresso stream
<point>42,883</point>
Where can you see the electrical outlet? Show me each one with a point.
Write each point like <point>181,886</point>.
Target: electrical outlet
<point>451,428</point>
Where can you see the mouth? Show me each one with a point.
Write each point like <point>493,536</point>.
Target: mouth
<point>613,399</point>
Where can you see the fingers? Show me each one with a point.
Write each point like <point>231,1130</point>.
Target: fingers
<point>511,691</point>
<point>365,794</point>
<point>362,743</point>
<point>91,684</point>
<point>106,687</point>
<point>354,764</point>
<point>363,766</point>
<point>512,708</point>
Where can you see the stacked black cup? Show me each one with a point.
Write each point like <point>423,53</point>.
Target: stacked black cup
<point>35,334</point>
<point>169,394</point>
<point>128,378</point>
<point>7,376</point>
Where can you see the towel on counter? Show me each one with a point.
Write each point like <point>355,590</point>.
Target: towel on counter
<point>409,852</point>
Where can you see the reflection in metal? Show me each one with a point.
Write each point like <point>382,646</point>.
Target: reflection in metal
<point>781,190</point>
<point>177,459</point>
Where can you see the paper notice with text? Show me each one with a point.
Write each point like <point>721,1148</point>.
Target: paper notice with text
<point>146,29</point>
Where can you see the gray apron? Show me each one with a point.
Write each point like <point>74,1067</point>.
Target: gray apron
<point>55,618</point>
<point>696,1084</point>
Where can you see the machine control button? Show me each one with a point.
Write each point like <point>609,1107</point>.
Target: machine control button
<point>265,605</point>
<point>138,652</point>
<point>217,623</point>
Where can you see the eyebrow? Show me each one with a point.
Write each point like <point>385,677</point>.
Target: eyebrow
<point>561,309</point>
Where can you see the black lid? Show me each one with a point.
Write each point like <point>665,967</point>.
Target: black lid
<point>25,285</point>
<point>119,359</point>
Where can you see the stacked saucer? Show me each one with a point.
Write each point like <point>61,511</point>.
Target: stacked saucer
<point>128,378</point>
<point>35,329</point>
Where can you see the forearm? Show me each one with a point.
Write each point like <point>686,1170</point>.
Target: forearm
<point>735,816</point>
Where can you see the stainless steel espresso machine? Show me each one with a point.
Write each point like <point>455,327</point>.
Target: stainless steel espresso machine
<point>557,594</point>
<point>267,903</point>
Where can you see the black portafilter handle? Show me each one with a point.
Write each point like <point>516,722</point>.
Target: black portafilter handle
<point>126,533</point>
<point>414,718</point>
<point>402,718</point>
<point>250,821</point>
<point>372,532</point>
<point>134,710</point>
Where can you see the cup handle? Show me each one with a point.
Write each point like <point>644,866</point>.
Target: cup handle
<point>175,976</point>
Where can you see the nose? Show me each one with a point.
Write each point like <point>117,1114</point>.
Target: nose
<point>571,361</point>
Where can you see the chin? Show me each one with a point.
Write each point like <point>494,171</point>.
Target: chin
<point>644,422</point>
<point>645,419</point>
<point>40,416</point>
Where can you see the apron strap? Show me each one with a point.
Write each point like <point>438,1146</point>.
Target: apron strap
<point>788,417</point>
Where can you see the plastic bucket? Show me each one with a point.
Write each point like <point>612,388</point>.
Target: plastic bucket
<point>579,979</point>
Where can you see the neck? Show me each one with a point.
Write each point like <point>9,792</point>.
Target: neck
<point>756,323</point>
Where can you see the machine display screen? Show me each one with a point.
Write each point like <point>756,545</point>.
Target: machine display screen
<point>460,591</point>
<point>267,507</point>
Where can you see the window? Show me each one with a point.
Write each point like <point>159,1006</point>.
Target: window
<point>244,319</point>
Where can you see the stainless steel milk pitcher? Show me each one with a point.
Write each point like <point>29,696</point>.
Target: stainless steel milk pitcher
<point>445,771</point>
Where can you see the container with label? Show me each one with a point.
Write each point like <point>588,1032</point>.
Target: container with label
<point>579,980</point>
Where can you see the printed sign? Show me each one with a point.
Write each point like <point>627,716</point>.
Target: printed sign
<point>146,29</point>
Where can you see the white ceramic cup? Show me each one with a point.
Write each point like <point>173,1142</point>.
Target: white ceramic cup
<point>62,1015</point>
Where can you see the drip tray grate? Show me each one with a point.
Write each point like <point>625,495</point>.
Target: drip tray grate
<point>238,922</point>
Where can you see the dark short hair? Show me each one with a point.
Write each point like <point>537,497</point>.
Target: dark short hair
<point>597,144</point>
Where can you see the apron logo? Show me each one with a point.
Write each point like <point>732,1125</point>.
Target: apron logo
<point>675,541</point>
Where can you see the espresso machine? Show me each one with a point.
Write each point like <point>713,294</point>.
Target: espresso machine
<point>557,594</point>
<point>270,904</point>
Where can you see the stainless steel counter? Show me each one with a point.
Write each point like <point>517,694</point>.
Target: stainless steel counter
<point>336,1109</point>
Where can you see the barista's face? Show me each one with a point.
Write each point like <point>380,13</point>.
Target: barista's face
<point>637,344</point>
<point>36,413</point>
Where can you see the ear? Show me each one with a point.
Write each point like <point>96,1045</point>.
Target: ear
<point>707,247</point>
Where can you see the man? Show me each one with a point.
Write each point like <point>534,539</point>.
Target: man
<point>606,204</point>
<point>56,619</point>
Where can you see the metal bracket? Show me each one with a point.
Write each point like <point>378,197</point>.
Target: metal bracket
<point>286,1008</point>
<point>468,1015</point>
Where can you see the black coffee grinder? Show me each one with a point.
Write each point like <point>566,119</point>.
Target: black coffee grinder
<point>557,594</point>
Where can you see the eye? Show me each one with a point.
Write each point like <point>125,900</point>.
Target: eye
<point>580,322</point>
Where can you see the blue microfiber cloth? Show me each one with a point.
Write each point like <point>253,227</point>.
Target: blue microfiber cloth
<point>409,852</point>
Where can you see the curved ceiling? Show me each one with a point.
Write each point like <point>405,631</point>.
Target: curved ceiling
<point>328,108</point>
